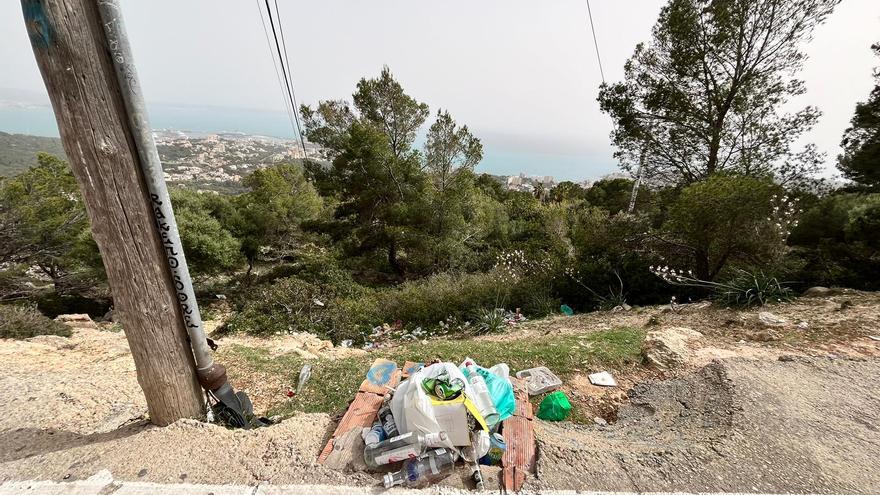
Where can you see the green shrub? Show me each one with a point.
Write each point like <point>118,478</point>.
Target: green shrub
<point>490,320</point>
<point>429,301</point>
<point>22,322</point>
<point>837,242</point>
<point>752,289</point>
<point>335,311</point>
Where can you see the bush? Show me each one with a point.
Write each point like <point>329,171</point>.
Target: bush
<point>753,289</point>
<point>337,311</point>
<point>838,244</point>
<point>22,322</point>
<point>429,301</point>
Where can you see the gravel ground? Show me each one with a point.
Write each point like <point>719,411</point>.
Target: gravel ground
<point>805,423</point>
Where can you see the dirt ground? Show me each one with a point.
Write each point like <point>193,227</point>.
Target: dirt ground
<point>790,408</point>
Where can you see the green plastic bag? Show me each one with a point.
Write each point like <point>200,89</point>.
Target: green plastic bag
<point>554,407</point>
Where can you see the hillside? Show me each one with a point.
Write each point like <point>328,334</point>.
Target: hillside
<point>18,152</point>
<point>204,161</point>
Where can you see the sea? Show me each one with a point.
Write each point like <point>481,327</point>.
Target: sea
<point>498,158</point>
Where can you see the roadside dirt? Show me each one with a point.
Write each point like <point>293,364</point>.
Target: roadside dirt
<point>797,412</point>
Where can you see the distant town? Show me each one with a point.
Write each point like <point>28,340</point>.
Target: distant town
<point>219,161</point>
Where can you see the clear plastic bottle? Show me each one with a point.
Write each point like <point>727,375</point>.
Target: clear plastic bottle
<point>434,466</point>
<point>402,447</point>
<point>372,436</point>
<point>481,398</point>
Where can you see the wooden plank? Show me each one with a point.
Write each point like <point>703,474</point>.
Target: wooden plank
<point>382,376</point>
<point>361,413</point>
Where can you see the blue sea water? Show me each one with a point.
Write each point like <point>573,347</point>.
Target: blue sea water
<point>497,159</point>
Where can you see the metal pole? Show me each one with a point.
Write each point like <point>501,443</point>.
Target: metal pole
<point>123,65</point>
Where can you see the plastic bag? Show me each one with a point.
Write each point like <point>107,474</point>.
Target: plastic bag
<point>412,408</point>
<point>500,389</point>
<point>554,407</point>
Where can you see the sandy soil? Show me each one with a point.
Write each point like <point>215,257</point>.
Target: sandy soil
<point>734,418</point>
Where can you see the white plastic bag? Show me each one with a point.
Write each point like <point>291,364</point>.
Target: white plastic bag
<point>411,406</point>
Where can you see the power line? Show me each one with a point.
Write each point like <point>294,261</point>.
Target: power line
<point>290,75</point>
<point>284,72</point>
<point>595,41</point>
<point>284,96</point>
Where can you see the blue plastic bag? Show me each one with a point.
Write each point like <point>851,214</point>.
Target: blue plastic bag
<point>500,390</point>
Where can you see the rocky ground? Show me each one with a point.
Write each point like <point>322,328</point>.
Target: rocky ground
<point>775,400</point>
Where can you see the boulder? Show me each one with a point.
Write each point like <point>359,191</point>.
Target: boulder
<point>768,319</point>
<point>77,321</point>
<point>818,291</point>
<point>667,348</point>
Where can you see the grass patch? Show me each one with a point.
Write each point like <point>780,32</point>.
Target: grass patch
<point>334,381</point>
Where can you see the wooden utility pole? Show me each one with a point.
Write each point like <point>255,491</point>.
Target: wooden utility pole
<point>73,54</point>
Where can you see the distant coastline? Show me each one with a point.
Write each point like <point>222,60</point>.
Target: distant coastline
<point>39,120</point>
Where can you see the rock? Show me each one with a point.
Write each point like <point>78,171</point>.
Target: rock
<point>766,336</point>
<point>770,320</point>
<point>667,348</point>
<point>818,291</point>
<point>77,321</point>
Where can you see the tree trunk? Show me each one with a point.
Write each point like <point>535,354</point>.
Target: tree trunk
<point>72,52</point>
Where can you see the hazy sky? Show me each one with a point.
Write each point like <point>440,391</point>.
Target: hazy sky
<point>522,74</point>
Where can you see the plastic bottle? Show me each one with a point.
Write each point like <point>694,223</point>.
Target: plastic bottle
<point>481,397</point>
<point>402,447</point>
<point>434,466</point>
<point>372,436</point>
<point>304,374</point>
<point>387,419</point>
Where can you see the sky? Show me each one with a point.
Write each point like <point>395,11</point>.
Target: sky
<point>522,74</point>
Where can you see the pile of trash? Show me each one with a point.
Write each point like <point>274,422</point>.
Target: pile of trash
<point>441,414</point>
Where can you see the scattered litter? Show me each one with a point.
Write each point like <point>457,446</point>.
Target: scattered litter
<point>803,325</point>
<point>874,337</point>
<point>497,446</point>
<point>600,421</point>
<point>554,407</point>
<point>318,302</point>
<point>603,379</point>
<point>566,310</point>
<point>435,466</point>
<point>541,380</point>
<point>346,343</point>
<point>221,297</point>
<point>290,392</point>
<point>304,374</point>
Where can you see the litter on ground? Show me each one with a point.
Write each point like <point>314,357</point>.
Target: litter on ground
<point>603,379</point>
<point>414,423</point>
